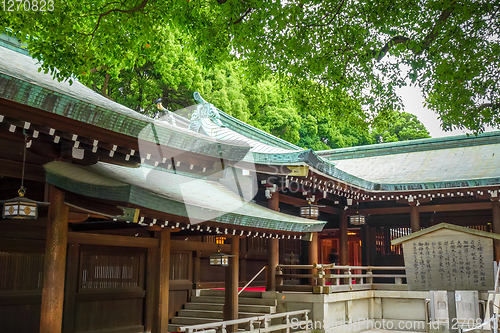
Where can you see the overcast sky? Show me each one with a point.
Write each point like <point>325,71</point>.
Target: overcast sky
<point>413,102</point>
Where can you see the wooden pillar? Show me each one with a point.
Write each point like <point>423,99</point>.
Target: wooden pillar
<point>243,260</point>
<point>196,269</point>
<point>164,280</point>
<point>343,244</point>
<point>313,249</point>
<point>231,288</point>
<point>273,248</point>
<point>414,217</point>
<point>151,323</point>
<point>370,247</point>
<point>54,268</point>
<point>496,226</point>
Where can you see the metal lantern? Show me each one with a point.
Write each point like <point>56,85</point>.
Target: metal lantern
<point>358,219</point>
<point>220,259</point>
<point>20,207</point>
<point>309,212</point>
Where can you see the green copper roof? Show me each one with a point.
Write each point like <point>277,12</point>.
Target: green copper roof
<point>161,190</point>
<point>255,133</point>
<point>411,165</point>
<point>21,82</point>
<point>411,146</point>
<point>453,162</point>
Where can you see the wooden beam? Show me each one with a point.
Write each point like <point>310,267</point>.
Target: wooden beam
<point>151,302</point>
<point>75,217</point>
<point>112,240</point>
<point>414,218</point>
<point>496,227</point>
<point>272,247</point>
<point>302,202</point>
<point>51,120</point>
<point>164,285</point>
<point>13,169</point>
<point>343,244</point>
<point>313,249</point>
<point>204,248</point>
<point>424,209</point>
<point>196,269</point>
<point>231,286</point>
<point>458,207</point>
<point>313,254</point>
<point>54,264</point>
<point>71,288</point>
<point>85,204</point>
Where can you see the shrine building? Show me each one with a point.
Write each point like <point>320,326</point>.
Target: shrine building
<point>119,214</point>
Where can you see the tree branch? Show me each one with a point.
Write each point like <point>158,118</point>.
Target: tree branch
<point>394,40</point>
<point>249,10</point>
<point>431,36</point>
<point>493,106</point>
<point>428,39</point>
<point>136,8</point>
<point>331,20</point>
<point>105,85</point>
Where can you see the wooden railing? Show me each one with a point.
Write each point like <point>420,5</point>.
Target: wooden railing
<point>259,324</point>
<point>331,278</point>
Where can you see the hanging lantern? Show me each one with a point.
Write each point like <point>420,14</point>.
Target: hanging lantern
<point>220,259</point>
<point>20,207</point>
<point>309,212</point>
<point>357,219</point>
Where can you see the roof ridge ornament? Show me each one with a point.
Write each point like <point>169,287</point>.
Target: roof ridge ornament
<point>164,113</point>
<point>205,117</point>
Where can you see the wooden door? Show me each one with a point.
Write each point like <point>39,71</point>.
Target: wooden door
<point>105,289</point>
<point>21,279</point>
<point>181,280</point>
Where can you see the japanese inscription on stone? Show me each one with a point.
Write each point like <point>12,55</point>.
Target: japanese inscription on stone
<point>449,260</point>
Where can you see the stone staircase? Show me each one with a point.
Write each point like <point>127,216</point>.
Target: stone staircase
<point>207,308</point>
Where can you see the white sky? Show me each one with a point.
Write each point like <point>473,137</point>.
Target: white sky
<point>413,103</point>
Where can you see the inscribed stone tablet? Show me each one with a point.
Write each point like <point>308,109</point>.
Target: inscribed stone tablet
<point>449,260</point>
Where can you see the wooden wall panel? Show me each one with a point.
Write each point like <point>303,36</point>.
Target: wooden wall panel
<point>253,267</point>
<point>211,273</point>
<point>109,314</point>
<point>107,289</point>
<point>176,299</point>
<point>20,318</point>
<point>21,275</point>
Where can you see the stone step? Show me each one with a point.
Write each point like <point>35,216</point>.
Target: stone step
<point>241,300</point>
<point>188,321</point>
<point>261,309</point>
<point>212,314</point>
<point>221,293</point>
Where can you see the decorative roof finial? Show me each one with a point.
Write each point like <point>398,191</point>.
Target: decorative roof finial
<point>164,112</point>
<point>205,116</point>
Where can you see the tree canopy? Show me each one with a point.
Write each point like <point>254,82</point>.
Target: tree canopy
<point>362,48</point>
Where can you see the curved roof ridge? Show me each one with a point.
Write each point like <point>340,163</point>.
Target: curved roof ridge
<point>254,133</point>
<point>410,146</point>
